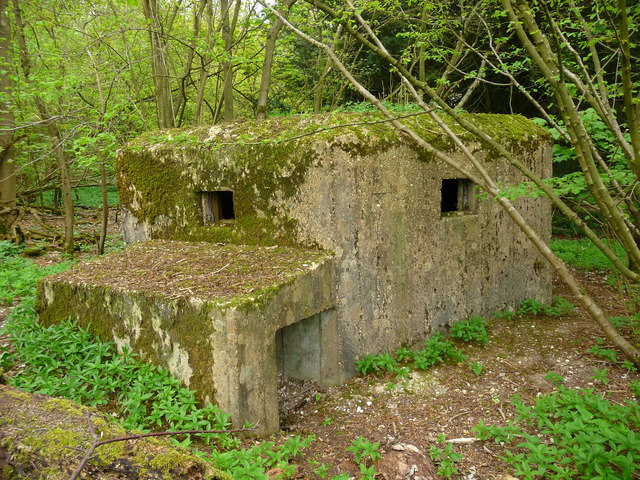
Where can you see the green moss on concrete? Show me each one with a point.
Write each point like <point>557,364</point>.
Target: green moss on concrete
<point>264,164</point>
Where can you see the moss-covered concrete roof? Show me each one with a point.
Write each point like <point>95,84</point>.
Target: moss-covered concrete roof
<point>196,269</point>
<point>306,129</point>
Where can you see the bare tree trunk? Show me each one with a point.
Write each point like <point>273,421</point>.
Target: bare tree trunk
<point>54,134</point>
<point>7,164</point>
<point>182,96</point>
<point>105,208</point>
<point>103,173</point>
<point>160,67</point>
<point>205,60</point>
<point>319,88</point>
<point>269,52</point>
<point>228,27</point>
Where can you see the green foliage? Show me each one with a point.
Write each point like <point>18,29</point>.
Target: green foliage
<point>446,458</point>
<point>18,275</point>
<point>571,434</point>
<point>471,330</point>
<point>366,454</point>
<point>530,307</point>
<point>554,378</point>
<point>368,473</point>
<point>581,253</point>
<point>90,197</point>
<point>361,107</point>
<point>601,375</point>
<point>251,463</point>
<point>559,307</point>
<point>66,361</point>
<point>607,354</point>
<point>436,350</point>
<point>364,450</point>
<point>506,314</point>
<point>610,356</point>
<point>321,470</point>
<point>629,325</point>
<point>477,368</point>
<point>377,364</point>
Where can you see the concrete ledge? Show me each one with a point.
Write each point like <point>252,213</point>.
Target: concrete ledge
<point>208,313</point>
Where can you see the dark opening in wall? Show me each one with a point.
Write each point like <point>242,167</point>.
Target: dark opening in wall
<point>217,206</point>
<point>456,195</point>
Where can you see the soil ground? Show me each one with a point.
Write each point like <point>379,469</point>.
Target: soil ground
<point>449,399</point>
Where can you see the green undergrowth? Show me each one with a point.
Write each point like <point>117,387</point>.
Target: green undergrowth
<point>570,434</point>
<point>582,253</point>
<point>67,361</point>
<point>437,350</point>
<point>89,197</point>
<point>18,275</point>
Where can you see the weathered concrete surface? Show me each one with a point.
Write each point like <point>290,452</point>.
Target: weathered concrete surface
<point>220,342</point>
<point>40,437</point>
<point>403,268</point>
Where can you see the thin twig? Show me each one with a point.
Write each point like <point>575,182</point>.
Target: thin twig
<point>459,415</point>
<point>220,269</point>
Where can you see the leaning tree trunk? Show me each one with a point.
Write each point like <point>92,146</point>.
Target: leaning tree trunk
<point>228,27</point>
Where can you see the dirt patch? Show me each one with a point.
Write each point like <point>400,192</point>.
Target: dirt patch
<point>450,400</point>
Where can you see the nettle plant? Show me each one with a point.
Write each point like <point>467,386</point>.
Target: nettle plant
<point>445,457</point>
<point>366,454</point>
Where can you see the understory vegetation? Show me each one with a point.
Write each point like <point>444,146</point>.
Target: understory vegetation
<point>565,434</point>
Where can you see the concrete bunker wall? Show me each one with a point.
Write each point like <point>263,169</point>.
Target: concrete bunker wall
<point>403,267</point>
<point>223,347</point>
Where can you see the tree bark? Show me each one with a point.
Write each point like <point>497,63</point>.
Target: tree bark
<point>7,162</point>
<point>228,27</point>
<point>54,134</point>
<point>160,67</point>
<point>269,53</point>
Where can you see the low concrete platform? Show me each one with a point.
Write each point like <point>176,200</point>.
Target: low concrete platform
<point>212,314</point>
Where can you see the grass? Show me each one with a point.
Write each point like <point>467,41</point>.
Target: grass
<point>90,197</point>
<point>581,253</point>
